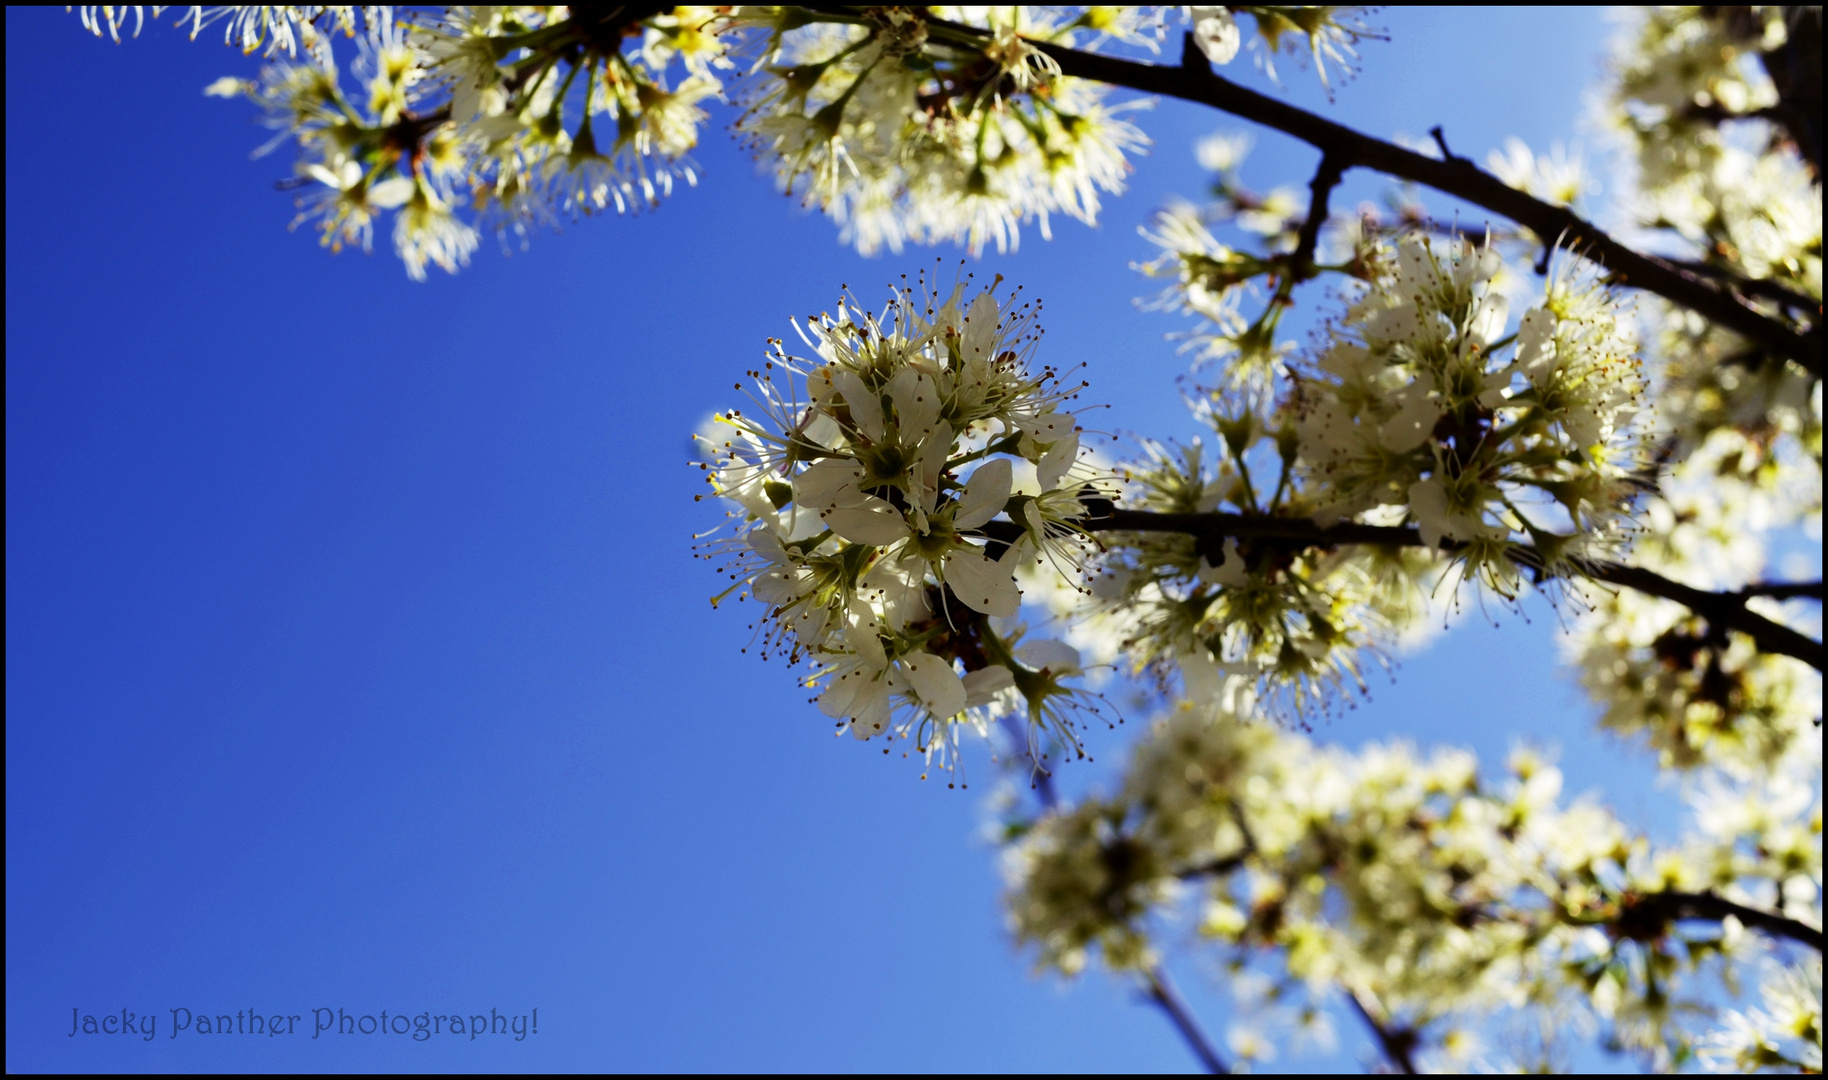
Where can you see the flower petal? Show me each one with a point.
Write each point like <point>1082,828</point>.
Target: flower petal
<point>1055,657</point>
<point>982,585</point>
<point>865,405</point>
<point>819,485</point>
<point>1413,422</point>
<point>1055,462</point>
<point>934,683</point>
<point>985,494</point>
<point>916,403</point>
<point>1216,33</point>
<point>980,334</point>
<point>985,684</point>
<point>873,522</point>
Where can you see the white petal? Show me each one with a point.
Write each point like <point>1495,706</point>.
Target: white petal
<point>916,403</point>
<point>1428,502</point>
<point>986,683</point>
<point>1400,323</point>
<point>819,485</point>
<point>1413,422</point>
<point>821,429</point>
<point>1349,362</point>
<point>865,405</point>
<point>1057,657</point>
<point>870,713</point>
<point>1047,427</point>
<point>862,637</point>
<point>1216,33</point>
<point>874,522</point>
<point>933,455</point>
<point>980,334</point>
<point>985,494</point>
<point>764,543</point>
<point>1200,677</point>
<point>1055,462</point>
<point>842,692</point>
<point>323,176</point>
<point>1415,267</point>
<point>1536,344</point>
<point>1231,572</point>
<point>982,585</point>
<point>1488,325</point>
<point>934,683</point>
<point>391,193</point>
<point>776,587</point>
<point>1031,516</point>
<point>809,622</point>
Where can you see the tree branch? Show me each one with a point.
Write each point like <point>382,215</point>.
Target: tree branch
<point>1773,291</point>
<point>1214,868</point>
<point>1326,178</point>
<point>1785,590</point>
<point>1162,992</point>
<point>1194,80</point>
<point>1795,68</point>
<point>1666,906</point>
<point>1398,1043</point>
<point>1724,609</point>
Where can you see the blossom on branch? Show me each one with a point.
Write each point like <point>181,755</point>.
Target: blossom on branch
<point>865,482</point>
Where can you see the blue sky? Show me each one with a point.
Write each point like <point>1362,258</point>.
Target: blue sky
<point>356,659</point>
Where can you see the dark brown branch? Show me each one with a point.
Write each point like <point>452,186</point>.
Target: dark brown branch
<point>1720,114</point>
<point>1194,80</point>
<point>1785,590</point>
<point>1162,992</point>
<point>1215,868</point>
<point>1221,866</point>
<point>1398,1043</point>
<point>1326,178</point>
<point>1763,287</point>
<point>1795,68</point>
<point>1723,609</point>
<point>1666,906</point>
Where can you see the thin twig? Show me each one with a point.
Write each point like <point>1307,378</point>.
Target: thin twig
<point>1326,178</point>
<point>1162,992</point>
<point>1213,868</point>
<point>1398,1043</point>
<point>1222,866</point>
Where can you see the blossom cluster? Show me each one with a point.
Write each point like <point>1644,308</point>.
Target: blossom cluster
<point>467,118</point>
<point>282,29</point>
<point>1406,881</point>
<point>1281,627</point>
<point>1509,446</point>
<point>905,124</point>
<point>1486,438</point>
<point>1695,693</point>
<point>1741,431</point>
<point>1331,35</point>
<point>1518,446</point>
<point>906,127</point>
<point>866,484</point>
<point>1720,178</point>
